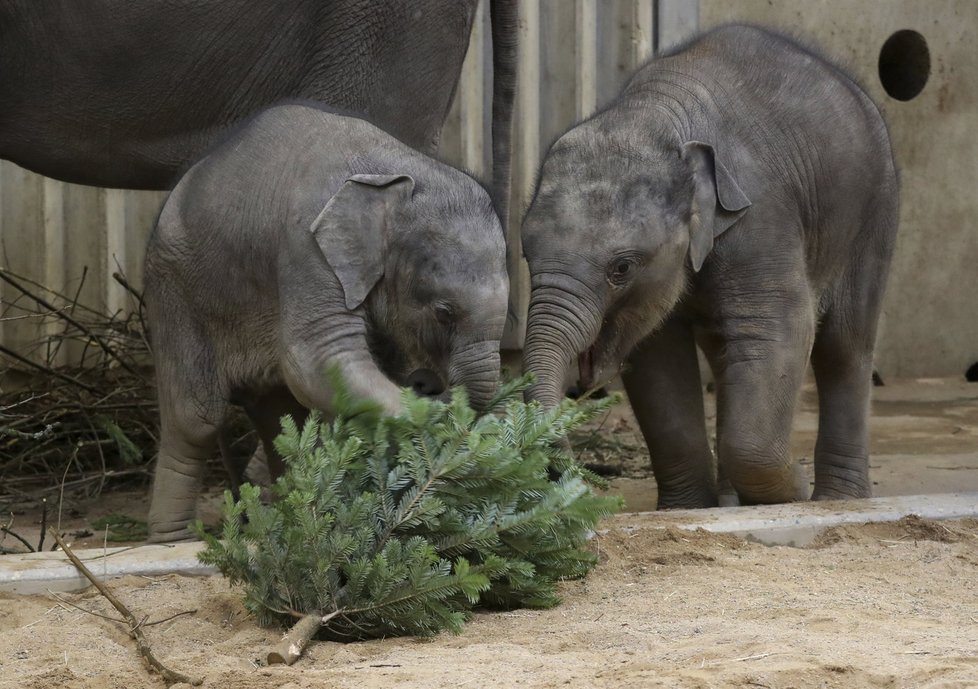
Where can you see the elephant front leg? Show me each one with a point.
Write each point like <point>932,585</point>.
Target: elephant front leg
<point>662,379</point>
<point>266,412</point>
<point>306,370</point>
<point>193,407</point>
<point>761,363</point>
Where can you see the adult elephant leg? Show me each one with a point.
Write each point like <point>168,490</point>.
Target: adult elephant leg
<point>662,379</point>
<point>764,357</point>
<point>266,412</point>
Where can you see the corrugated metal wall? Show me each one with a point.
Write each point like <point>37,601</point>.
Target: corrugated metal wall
<point>575,55</point>
<point>70,239</point>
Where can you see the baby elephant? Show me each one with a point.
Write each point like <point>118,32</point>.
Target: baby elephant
<point>311,241</point>
<point>739,193</point>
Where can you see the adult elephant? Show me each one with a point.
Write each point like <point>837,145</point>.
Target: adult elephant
<point>740,194</point>
<point>124,93</point>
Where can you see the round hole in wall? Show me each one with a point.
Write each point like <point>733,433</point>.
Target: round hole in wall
<point>971,375</point>
<point>904,64</point>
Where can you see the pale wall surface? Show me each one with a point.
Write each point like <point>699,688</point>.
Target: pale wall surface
<point>930,322</point>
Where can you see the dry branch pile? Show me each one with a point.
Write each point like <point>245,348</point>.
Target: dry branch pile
<point>80,424</point>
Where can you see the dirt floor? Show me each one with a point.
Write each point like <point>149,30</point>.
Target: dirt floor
<point>893,605</point>
<point>923,439</point>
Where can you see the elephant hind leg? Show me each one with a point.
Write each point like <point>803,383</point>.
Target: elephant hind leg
<point>190,425</point>
<point>193,405</point>
<point>843,377</point>
<point>842,359</point>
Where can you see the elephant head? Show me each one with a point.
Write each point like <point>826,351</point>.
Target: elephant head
<point>620,220</point>
<point>424,256</point>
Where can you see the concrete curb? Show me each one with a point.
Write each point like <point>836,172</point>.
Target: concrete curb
<point>798,523</point>
<point>41,572</point>
<point>794,524</point>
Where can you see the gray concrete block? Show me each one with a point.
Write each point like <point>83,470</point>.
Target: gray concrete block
<point>51,571</point>
<point>795,524</point>
<point>799,523</point>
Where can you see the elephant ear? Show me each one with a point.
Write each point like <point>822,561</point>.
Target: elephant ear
<point>718,201</point>
<point>351,230</point>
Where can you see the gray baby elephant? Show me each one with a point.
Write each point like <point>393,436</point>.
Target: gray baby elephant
<point>307,241</point>
<point>739,193</point>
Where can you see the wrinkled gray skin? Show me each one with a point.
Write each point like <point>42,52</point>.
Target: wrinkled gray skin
<point>119,93</point>
<point>740,193</point>
<point>310,241</point>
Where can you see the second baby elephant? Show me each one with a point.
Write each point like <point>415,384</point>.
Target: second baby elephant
<point>740,194</point>
<point>309,241</point>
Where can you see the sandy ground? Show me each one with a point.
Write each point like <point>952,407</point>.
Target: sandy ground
<point>923,439</point>
<point>892,605</point>
<point>887,606</point>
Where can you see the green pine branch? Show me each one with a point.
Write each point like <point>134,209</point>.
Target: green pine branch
<point>401,525</point>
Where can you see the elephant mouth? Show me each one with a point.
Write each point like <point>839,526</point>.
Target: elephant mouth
<point>426,383</point>
<point>585,369</point>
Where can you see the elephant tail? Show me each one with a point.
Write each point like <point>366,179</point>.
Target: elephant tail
<point>504,16</point>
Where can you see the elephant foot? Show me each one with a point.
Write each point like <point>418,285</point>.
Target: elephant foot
<point>764,485</point>
<point>831,494</point>
<point>671,500</point>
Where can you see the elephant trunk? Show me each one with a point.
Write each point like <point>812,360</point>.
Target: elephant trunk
<point>560,326</point>
<point>476,366</point>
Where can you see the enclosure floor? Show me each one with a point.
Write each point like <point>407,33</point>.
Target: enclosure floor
<point>924,436</point>
<point>867,606</point>
<point>923,440</point>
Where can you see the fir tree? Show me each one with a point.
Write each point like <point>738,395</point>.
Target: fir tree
<point>398,525</point>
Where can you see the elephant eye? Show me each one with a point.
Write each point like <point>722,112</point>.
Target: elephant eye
<point>444,314</point>
<point>621,271</point>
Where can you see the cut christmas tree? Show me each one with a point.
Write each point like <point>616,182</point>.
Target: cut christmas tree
<point>385,526</point>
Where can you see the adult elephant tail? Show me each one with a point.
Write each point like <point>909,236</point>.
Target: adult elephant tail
<point>504,16</point>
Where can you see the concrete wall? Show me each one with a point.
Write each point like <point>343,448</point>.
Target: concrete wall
<point>930,322</point>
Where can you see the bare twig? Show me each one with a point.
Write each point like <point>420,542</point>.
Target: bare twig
<point>46,369</point>
<point>95,416</point>
<point>61,494</point>
<point>7,531</point>
<point>34,283</point>
<point>71,308</point>
<point>171,617</point>
<point>44,524</point>
<point>170,676</point>
<point>121,279</point>
<point>60,599</point>
<point>111,353</point>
